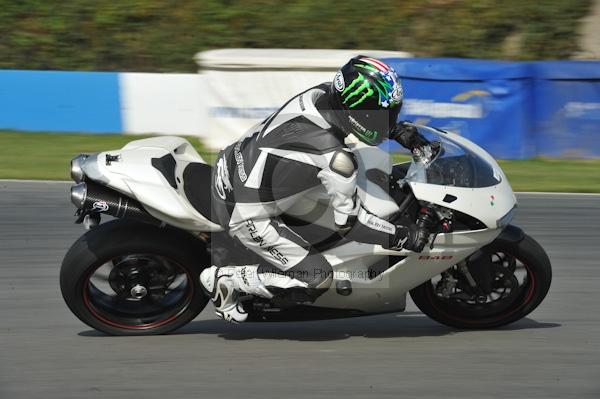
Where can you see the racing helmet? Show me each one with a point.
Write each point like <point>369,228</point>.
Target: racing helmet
<point>367,95</point>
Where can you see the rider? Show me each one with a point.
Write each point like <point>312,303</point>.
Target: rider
<point>297,148</point>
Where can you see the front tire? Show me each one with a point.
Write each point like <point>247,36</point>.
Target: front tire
<point>131,278</point>
<point>521,300</point>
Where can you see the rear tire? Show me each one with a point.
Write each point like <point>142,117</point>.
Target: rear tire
<point>539,276</point>
<point>141,248</point>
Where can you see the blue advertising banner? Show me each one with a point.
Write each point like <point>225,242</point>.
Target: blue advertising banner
<point>487,102</point>
<point>60,101</point>
<point>567,109</point>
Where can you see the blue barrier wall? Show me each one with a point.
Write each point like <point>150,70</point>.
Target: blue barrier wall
<point>60,101</point>
<point>514,110</point>
<point>567,109</point>
<point>487,102</point>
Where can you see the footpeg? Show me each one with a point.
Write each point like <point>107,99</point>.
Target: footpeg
<point>343,287</point>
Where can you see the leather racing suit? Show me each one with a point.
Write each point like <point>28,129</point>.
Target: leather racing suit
<point>257,178</point>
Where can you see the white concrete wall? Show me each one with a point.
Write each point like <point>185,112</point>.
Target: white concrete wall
<point>237,100</point>
<point>218,106</point>
<point>162,103</point>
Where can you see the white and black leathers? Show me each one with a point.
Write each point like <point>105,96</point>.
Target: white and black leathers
<point>257,178</point>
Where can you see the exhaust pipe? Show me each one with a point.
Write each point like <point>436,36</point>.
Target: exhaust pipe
<point>93,198</point>
<point>78,194</point>
<point>77,167</point>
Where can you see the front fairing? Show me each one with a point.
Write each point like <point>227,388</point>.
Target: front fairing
<point>463,177</point>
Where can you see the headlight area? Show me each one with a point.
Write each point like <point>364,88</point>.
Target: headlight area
<point>506,219</point>
<point>77,168</point>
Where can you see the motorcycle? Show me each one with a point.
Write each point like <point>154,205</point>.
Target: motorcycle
<point>138,274</point>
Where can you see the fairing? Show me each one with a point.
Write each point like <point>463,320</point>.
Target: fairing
<point>133,175</point>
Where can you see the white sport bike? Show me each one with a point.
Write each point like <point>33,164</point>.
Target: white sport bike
<point>138,273</point>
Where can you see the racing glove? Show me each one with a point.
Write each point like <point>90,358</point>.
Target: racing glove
<point>413,238</point>
<point>416,236</point>
<point>408,136</point>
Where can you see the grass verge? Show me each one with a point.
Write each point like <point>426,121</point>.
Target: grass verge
<point>46,156</point>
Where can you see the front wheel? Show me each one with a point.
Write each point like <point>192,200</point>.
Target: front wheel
<point>128,278</point>
<point>512,280</point>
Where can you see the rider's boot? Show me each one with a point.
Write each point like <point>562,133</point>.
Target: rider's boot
<point>225,285</point>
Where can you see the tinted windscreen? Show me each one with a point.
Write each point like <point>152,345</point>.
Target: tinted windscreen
<point>461,171</point>
<point>455,165</point>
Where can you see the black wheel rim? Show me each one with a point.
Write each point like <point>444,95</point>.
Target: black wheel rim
<point>505,300</point>
<point>138,291</point>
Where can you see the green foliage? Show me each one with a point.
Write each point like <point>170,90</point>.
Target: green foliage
<point>163,35</point>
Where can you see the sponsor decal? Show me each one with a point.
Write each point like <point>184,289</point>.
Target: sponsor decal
<point>358,91</point>
<point>435,257</point>
<point>469,94</point>
<point>375,223</point>
<point>271,249</point>
<point>100,206</point>
<point>442,110</point>
<point>368,135</point>
<point>575,109</point>
<point>397,94</point>
<point>466,105</point>
<point>356,125</point>
<point>243,275</point>
<point>338,81</point>
<point>241,113</point>
<point>222,182</point>
<point>492,198</point>
<point>239,160</point>
<point>402,242</point>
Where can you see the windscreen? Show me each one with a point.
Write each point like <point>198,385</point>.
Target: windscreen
<point>454,165</point>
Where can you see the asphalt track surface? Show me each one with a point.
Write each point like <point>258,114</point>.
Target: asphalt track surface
<point>45,352</point>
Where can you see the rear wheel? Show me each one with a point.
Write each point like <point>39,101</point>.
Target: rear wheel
<point>127,278</point>
<point>511,280</point>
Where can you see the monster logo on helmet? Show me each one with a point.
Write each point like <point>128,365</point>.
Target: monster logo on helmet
<point>385,82</point>
<point>371,101</point>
